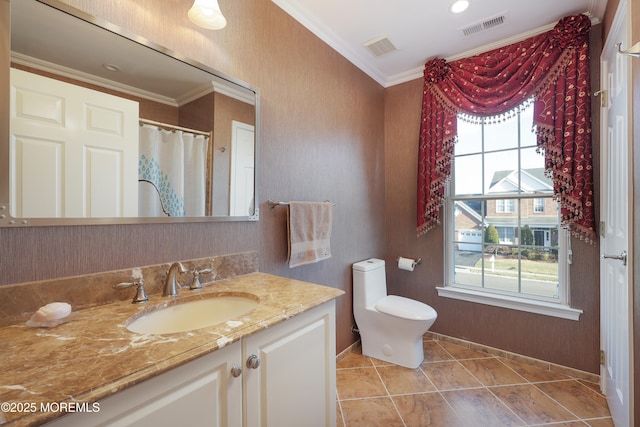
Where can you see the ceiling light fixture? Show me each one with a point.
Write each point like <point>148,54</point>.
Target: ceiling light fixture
<point>111,67</point>
<point>207,14</point>
<point>459,6</point>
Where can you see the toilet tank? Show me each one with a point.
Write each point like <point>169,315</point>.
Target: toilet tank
<point>369,282</point>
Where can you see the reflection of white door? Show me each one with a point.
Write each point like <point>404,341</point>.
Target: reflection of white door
<point>616,298</point>
<point>242,169</point>
<point>74,151</point>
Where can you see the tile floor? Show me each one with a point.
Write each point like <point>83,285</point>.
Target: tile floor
<point>460,386</point>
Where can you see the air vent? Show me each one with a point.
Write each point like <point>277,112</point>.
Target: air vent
<point>380,46</point>
<point>484,25</point>
<point>490,23</point>
<point>468,31</point>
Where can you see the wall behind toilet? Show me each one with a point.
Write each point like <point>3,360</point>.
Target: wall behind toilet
<point>566,342</point>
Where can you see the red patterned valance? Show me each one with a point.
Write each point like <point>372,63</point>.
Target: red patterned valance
<point>553,68</point>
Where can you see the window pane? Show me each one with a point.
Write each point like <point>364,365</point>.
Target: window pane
<point>468,238</point>
<point>468,221</point>
<point>467,261</point>
<point>527,136</point>
<point>499,136</point>
<point>539,266</point>
<point>501,172</point>
<point>467,171</point>
<point>469,138</point>
<point>530,159</point>
<point>501,269</point>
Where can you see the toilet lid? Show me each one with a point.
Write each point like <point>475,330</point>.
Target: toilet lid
<point>405,308</point>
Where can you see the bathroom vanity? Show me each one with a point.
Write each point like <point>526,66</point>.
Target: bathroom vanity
<point>273,366</point>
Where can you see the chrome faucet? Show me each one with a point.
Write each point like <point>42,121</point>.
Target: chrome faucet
<point>171,286</point>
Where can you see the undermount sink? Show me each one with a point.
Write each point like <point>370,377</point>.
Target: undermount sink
<point>191,315</point>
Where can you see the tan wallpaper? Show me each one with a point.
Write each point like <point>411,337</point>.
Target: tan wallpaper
<point>321,138</point>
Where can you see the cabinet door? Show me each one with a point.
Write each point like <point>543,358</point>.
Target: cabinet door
<point>294,385</point>
<point>200,393</point>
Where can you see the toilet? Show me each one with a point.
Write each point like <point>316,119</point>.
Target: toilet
<point>390,326</point>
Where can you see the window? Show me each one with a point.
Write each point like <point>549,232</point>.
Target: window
<point>507,234</point>
<point>538,205</point>
<point>505,206</point>
<point>515,258</point>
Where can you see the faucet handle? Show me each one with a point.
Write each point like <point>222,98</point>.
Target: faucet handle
<point>195,283</point>
<point>141,295</point>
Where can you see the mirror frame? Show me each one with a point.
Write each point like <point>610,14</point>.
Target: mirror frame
<point>5,93</point>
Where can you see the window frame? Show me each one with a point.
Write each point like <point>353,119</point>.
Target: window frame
<point>559,307</point>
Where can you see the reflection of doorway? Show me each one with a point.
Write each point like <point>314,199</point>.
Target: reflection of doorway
<point>242,169</point>
<point>74,151</point>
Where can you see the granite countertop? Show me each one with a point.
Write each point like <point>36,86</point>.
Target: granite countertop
<point>94,355</point>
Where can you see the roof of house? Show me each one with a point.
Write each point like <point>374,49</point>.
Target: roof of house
<point>532,180</point>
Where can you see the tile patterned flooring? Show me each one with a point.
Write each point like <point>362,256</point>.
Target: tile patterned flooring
<point>460,386</point>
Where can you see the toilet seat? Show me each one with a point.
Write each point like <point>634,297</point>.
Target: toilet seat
<point>405,308</point>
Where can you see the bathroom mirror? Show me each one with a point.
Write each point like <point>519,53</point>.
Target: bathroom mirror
<point>100,126</point>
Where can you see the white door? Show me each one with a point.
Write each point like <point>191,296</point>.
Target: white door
<point>74,151</point>
<point>242,169</point>
<point>616,257</point>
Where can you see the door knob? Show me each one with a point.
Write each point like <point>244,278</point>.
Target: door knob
<point>622,257</point>
<point>253,362</point>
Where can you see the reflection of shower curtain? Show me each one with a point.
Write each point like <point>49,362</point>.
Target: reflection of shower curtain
<point>171,173</point>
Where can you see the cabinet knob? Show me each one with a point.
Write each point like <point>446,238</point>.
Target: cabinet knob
<point>236,371</point>
<point>253,362</point>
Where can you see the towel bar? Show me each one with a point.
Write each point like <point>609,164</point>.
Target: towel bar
<point>273,203</point>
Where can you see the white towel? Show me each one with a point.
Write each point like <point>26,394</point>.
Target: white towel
<point>309,230</point>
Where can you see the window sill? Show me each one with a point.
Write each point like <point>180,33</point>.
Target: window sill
<point>513,303</point>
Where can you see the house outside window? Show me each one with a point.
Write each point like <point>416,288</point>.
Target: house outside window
<point>503,234</point>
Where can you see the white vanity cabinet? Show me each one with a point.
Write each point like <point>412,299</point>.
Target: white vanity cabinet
<point>199,393</point>
<point>293,384</point>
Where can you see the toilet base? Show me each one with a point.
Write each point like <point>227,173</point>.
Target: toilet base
<point>402,353</point>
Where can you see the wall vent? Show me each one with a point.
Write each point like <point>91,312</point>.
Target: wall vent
<point>484,25</point>
<point>472,29</point>
<point>379,46</point>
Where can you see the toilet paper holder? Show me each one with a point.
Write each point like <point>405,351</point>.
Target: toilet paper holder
<point>416,261</point>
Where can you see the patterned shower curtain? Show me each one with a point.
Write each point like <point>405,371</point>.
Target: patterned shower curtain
<point>171,173</point>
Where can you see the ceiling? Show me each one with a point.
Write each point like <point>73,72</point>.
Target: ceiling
<point>423,29</point>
